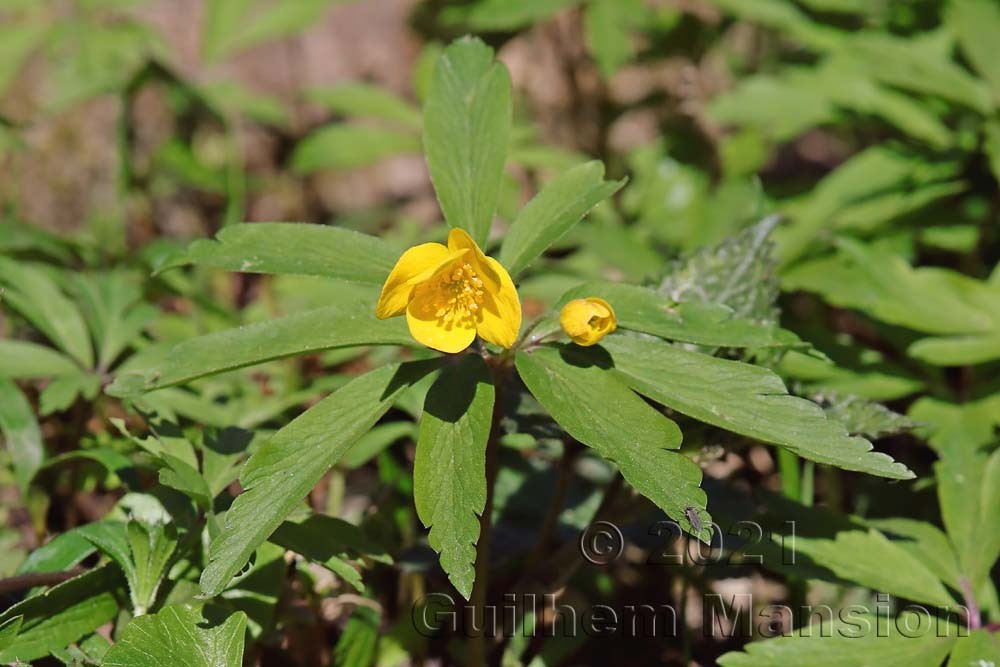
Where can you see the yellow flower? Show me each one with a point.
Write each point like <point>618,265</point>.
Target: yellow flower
<point>587,321</point>
<point>451,293</point>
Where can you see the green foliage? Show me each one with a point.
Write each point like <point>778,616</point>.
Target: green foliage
<point>152,640</point>
<point>467,119</point>
<point>449,473</point>
<point>748,400</point>
<point>553,212</point>
<point>604,414</point>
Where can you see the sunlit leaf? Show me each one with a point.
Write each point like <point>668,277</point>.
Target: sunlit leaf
<point>467,119</point>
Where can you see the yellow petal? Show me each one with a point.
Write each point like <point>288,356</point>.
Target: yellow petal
<point>459,240</point>
<point>501,313</point>
<point>587,321</point>
<point>430,330</point>
<point>416,265</point>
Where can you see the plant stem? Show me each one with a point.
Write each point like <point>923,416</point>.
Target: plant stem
<point>975,620</point>
<point>30,580</point>
<point>788,466</point>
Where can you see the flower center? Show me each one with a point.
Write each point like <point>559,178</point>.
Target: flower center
<point>461,295</point>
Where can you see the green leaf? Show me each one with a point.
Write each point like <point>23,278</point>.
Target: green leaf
<point>561,204</point>
<point>331,542</point>
<point>467,119</point>
<point>152,547</point>
<point>642,309</point>
<point>62,614</point>
<point>872,560</point>
<point>181,475</point>
<point>505,15</point>
<point>875,172</point>
<point>864,418</point>
<point>282,472</point>
<point>957,428</point>
<point>926,543</point>
<point>31,292</point>
<point>21,434</point>
<point>357,646</point>
<point>8,631</point>
<point>956,350</point>
<point>855,640</point>
<point>744,399</point>
<point>969,495</point>
<point>366,100</point>
<point>63,391</point>
<point>232,98</point>
<point>371,444</point>
<point>786,19</point>
<point>178,635</point>
<point>236,25</point>
<point>141,551</point>
<point>111,305</point>
<point>301,333</point>
<point>927,299</point>
<point>608,25</point>
<point>782,107</point>
<point>851,88</point>
<point>62,552</point>
<point>299,249</point>
<point>21,359</point>
<point>349,146</point>
<point>980,649</point>
<point>908,64</point>
<point>594,407</point>
<point>738,273</point>
<point>449,473</point>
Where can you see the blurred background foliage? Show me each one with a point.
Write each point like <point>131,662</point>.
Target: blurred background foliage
<point>129,128</point>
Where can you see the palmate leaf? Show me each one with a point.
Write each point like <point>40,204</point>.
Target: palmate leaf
<point>856,640</point>
<point>449,473</point>
<point>467,119</point>
<point>963,311</point>
<point>30,291</point>
<point>299,249</point>
<point>642,309</point>
<point>300,333</point>
<point>910,65</point>
<point>562,203</point>
<point>282,472</point>
<point>594,407</point>
<point>744,399</point>
<point>875,172</point>
<point>178,635</point>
